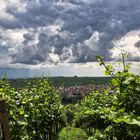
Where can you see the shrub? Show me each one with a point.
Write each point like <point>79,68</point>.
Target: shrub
<point>116,115</point>
<point>72,133</point>
<point>34,112</point>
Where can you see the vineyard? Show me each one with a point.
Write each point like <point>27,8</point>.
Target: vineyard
<point>42,111</point>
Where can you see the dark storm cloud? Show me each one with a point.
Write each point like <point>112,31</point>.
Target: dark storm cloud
<point>137,44</point>
<point>79,22</point>
<point>32,54</point>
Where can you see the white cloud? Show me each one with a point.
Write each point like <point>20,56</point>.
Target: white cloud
<point>13,35</point>
<point>93,41</point>
<point>127,44</point>
<point>3,12</point>
<point>54,58</point>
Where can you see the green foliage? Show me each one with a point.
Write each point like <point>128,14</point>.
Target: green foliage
<point>72,133</point>
<point>115,115</point>
<point>99,135</point>
<point>70,109</point>
<point>34,113</point>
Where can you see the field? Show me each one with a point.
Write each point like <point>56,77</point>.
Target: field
<point>63,81</point>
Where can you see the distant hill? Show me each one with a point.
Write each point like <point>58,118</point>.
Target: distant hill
<point>63,81</point>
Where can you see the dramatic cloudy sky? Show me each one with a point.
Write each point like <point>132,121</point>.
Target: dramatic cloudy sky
<point>62,37</point>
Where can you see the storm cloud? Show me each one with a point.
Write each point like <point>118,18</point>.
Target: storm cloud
<point>71,31</point>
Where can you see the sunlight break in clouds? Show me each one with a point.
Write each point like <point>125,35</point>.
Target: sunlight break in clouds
<point>128,44</point>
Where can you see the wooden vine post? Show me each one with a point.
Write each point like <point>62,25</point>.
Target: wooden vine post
<point>4,123</point>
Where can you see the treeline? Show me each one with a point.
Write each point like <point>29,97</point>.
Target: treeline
<point>62,81</point>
